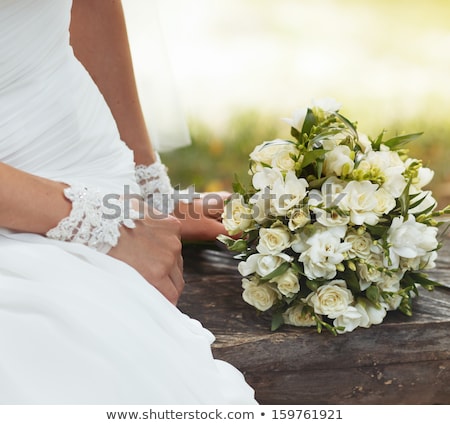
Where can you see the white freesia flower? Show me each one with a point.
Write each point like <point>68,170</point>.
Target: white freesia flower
<point>360,201</point>
<point>296,316</point>
<point>423,177</point>
<point>273,240</point>
<point>326,250</point>
<point>339,161</point>
<point>297,119</point>
<point>260,295</point>
<point>327,104</point>
<point>390,284</point>
<point>260,203</point>
<point>364,143</point>
<point>325,203</point>
<point>370,270</point>
<point>288,193</point>
<point>410,239</point>
<point>266,178</point>
<point>427,261</point>
<point>237,215</point>
<point>331,299</point>
<point>375,315</point>
<point>385,201</point>
<point>363,314</point>
<point>428,203</point>
<point>386,167</point>
<point>349,320</point>
<point>287,283</point>
<point>261,264</point>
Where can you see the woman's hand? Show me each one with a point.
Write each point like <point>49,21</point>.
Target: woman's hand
<point>201,219</point>
<point>153,248</point>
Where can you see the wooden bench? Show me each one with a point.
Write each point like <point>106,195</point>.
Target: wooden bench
<point>405,360</point>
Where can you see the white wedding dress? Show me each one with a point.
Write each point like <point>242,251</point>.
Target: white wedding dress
<point>77,326</point>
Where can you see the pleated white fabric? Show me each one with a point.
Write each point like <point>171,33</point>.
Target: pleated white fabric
<point>77,326</point>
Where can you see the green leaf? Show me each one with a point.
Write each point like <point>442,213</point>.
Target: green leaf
<point>404,199</point>
<point>312,285</point>
<point>352,281</point>
<point>238,186</point>
<point>296,134</point>
<point>378,141</point>
<point>237,245</point>
<point>373,295</point>
<point>277,272</point>
<point>349,124</point>
<point>397,142</point>
<point>312,156</point>
<point>376,230</point>
<point>423,280</point>
<point>309,122</point>
<point>277,321</point>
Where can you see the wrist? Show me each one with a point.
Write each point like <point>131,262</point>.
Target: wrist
<point>92,221</point>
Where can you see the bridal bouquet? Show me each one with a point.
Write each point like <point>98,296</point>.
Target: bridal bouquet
<point>336,228</point>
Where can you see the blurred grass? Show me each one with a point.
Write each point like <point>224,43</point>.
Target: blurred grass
<point>215,157</point>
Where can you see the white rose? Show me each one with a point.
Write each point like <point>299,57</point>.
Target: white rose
<point>237,215</point>
<point>261,264</point>
<point>276,153</point>
<point>360,201</point>
<point>298,218</point>
<point>297,316</point>
<point>331,299</point>
<point>260,295</point>
<point>339,161</point>
<point>361,244</point>
<point>273,240</point>
<point>288,193</point>
<point>325,252</point>
<point>287,283</point>
<point>409,239</point>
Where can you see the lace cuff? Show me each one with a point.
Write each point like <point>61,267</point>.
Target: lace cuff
<point>155,185</point>
<point>91,222</point>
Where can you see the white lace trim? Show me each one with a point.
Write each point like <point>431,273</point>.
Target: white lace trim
<point>155,186</point>
<point>94,220</point>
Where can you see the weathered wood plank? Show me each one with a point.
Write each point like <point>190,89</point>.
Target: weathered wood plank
<point>405,360</point>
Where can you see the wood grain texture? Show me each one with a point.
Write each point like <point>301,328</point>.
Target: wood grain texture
<point>405,360</point>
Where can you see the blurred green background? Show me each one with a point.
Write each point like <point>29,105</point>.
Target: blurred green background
<point>242,65</point>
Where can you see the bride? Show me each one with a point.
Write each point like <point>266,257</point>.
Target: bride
<point>87,296</point>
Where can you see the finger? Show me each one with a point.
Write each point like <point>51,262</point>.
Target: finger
<point>168,289</point>
<point>176,273</point>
